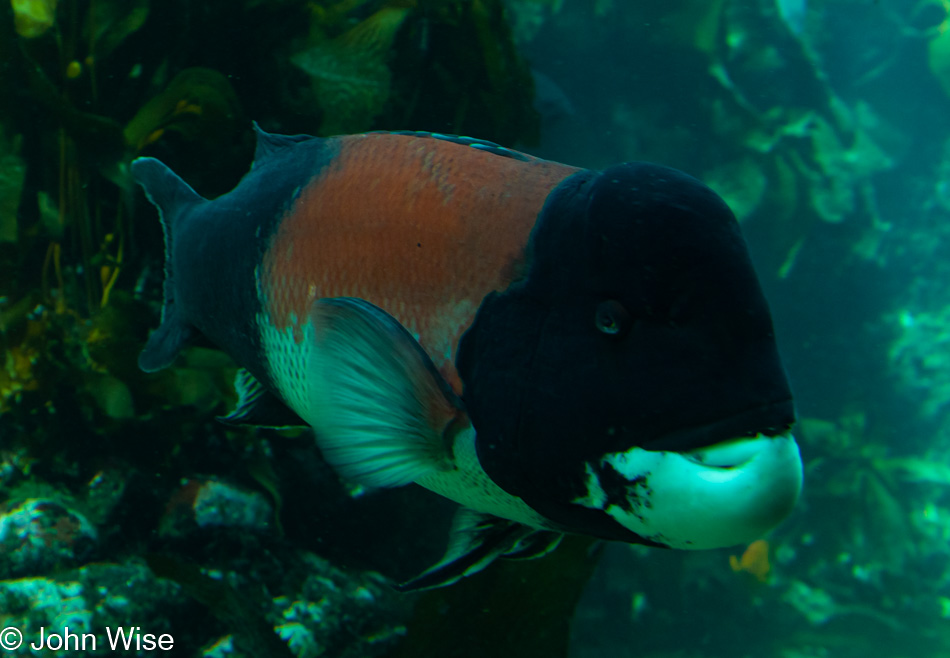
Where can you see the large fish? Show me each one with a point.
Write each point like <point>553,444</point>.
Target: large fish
<point>556,349</point>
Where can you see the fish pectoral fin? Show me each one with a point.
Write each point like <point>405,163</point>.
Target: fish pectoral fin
<point>258,407</point>
<point>476,540</point>
<point>381,412</point>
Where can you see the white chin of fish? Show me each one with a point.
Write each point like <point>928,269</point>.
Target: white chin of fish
<point>726,494</point>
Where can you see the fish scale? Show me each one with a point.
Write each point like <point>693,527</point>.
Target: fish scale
<point>437,230</point>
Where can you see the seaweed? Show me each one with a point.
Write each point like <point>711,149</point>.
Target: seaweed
<point>350,73</point>
<point>753,100</point>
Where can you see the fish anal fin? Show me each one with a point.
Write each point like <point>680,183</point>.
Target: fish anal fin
<point>259,407</point>
<point>380,409</point>
<point>476,540</point>
<point>536,545</point>
<point>166,342</point>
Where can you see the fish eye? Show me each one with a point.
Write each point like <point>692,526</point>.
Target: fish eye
<point>612,318</point>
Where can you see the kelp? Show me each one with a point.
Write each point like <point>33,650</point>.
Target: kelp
<point>428,65</point>
<point>491,99</point>
<point>931,20</point>
<point>799,141</point>
<point>90,85</point>
<point>197,126</point>
<point>110,23</point>
<point>66,195</point>
<point>33,17</point>
<point>857,475</point>
<point>66,203</point>
<point>199,104</point>
<point>350,73</point>
<point>12,175</point>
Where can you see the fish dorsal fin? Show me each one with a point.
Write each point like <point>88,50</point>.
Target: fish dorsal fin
<point>480,144</point>
<point>381,412</point>
<point>269,143</point>
<point>259,407</point>
<point>477,540</point>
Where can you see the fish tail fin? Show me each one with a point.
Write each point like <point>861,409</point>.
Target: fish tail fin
<point>174,198</point>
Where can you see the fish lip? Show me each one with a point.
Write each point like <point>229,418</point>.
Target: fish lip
<point>731,453</point>
<point>771,419</point>
<point>722,495</point>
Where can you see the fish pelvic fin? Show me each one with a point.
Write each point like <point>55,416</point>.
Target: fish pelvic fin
<point>478,539</point>
<point>174,198</point>
<point>258,407</point>
<point>382,413</point>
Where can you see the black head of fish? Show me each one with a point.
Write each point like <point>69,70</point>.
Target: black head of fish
<point>640,323</point>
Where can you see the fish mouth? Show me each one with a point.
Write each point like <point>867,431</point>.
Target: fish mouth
<point>770,418</point>
<point>729,493</point>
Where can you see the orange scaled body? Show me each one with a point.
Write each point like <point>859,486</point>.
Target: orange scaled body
<point>418,226</point>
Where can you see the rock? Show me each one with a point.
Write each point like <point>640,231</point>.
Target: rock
<point>331,604</point>
<point>91,602</point>
<point>214,503</point>
<point>296,606</point>
<point>39,534</point>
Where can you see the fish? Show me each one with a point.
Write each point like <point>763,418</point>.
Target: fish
<point>558,350</point>
<point>754,561</point>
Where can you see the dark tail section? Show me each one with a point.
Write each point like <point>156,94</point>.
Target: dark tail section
<point>174,198</point>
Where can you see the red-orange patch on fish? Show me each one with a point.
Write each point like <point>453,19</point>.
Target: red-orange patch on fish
<point>422,227</point>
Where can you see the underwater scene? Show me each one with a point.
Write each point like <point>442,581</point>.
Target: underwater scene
<point>462,328</point>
